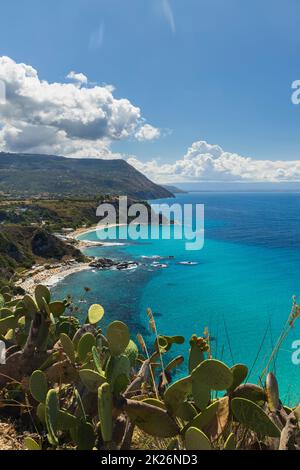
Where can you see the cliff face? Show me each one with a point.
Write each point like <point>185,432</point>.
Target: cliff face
<point>43,175</point>
<point>21,247</point>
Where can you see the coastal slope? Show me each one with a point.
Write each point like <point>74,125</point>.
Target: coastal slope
<point>26,175</point>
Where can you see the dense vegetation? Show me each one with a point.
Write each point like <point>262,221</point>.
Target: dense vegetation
<point>74,387</point>
<point>28,230</point>
<point>24,176</point>
<point>54,214</point>
<point>23,246</point>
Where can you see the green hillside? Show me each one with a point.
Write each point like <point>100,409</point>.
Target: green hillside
<point>26,175</point>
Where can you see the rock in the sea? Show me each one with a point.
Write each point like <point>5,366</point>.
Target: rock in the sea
<point>106,263</point>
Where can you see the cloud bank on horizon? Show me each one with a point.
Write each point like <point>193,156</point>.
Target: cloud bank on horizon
<point>79,119</point>
<point>204,162</point>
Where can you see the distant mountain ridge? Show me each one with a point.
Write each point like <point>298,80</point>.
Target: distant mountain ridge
<point>29,175</point>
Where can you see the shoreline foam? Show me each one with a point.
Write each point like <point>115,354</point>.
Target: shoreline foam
<point>59,271</point>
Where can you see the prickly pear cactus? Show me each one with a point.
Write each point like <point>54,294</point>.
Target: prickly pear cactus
<point>66,421</point>
<point>152,420</point>
<point>38,386</point>
<point>95,314</point>
<point>195,439</point>
<point>117,373</point>
<point>230,443</point>
<point>42,292</point>
<point>174,364</point>
<point>30,305</point>
<point>97,361</point>
<point>177,393</point>
<point>200,391</point>
<point>118,337</point>
<point>186,411</point>
<point>250,392</point>
<point>105,411</point>
<point>198,347</point>
<point>174,340</point>
<point>51,416</point>
<point>84,436</point>
<point>132,352</point>
<point>85,346</point>
<point>297,414</point>
<point>203,419</point>
<point>155,402</point>
<point>91,379</point>
<point>31,444</point>
<point>57,308</point>
<point>272,392</point>
<point>239,372</point>
<point>68,346</point>
<point>7,324</point>
<point>215,374</point>
<point>253,417</point>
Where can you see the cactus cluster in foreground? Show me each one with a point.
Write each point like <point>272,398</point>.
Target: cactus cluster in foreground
<point>89,389</point>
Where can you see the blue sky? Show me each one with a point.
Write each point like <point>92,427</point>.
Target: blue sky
<point>218,71</point>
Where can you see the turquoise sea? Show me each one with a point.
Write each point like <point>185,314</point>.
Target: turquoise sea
<point>241,288</point>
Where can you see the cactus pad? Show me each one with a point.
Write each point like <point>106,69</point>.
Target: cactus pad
<point>30,306</point>
<point>203,419</point>
<point>195,439</point>
<point>177,393</point>
<point>200,392</point>
<point>8,323</point>
<point>91,379</point>
<point>118,337</point>
<point>85,345</point>
<point>250,392</point>
<point>95,314</point>
<point>272,392</point>
<point>105,411</point>
<point>51,416</point>
<point>42,292</point>
<point>155,402</point>
<point>38,386</point>
<point>31,444</point>
<point>68,346</point>
<point>215,374</point>
<point>253,417</point>
<point>239,372</point>
<point>176,362</point>
<point>117,373</point>
<point>57,308</point>
<point>196,355</point>
<point>84,436</point>
<point>132,352</point>
<point>96,360</point>
<point>151,419</point>
<point>66,421</point>
<point>230,443</point>
<point>186,411</point>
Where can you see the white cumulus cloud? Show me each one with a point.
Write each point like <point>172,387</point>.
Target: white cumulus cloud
<point>78,77</point>
<point>147,132</point>
<point>62,118</point>
<point>210,163</point>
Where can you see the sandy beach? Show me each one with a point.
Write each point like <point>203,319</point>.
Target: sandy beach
<point>49,276</point>
<point>93,228</point>
<point>55,273</point>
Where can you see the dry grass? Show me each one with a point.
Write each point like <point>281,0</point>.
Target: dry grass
<point>142,441</point>
<point>10,437</point>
